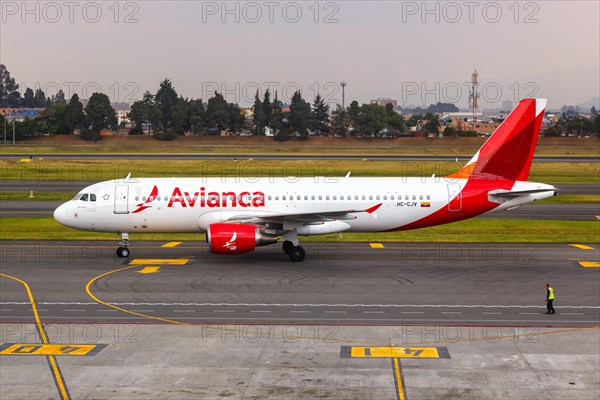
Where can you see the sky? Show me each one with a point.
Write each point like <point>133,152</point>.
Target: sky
<point>412,51</point>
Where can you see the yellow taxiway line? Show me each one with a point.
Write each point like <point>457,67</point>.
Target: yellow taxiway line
<point>56,373</point>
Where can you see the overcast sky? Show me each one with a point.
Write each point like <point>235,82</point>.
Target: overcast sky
<point>415,54</point>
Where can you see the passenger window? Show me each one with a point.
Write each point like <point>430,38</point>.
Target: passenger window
<point>284,197</point>
<point>392,197</point>
<point>414,197</point>
<point>276,198</point>
<point>377,197</point>
<point>137,198</point>
<point>364,197</point>
<point>327,197</point>
<point>421,197</point>
<point>342,197</point>
<point>320,197</point>
<point>305,197</point>
<point>370,197</point>
<point>385,197</point>
<point>428,197</point>
<point>334,197</point>
<point>312,197</point>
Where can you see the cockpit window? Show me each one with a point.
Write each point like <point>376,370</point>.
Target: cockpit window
<point>77,196</point>
<point>84,197</point>
<point>92,197</point>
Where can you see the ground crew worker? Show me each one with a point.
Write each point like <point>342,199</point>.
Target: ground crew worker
<point>549,299</point>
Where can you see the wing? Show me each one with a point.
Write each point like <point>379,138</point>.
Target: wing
<point>301,218</point>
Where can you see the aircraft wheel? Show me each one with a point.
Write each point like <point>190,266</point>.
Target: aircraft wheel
<point>297,254</point>
<point>123,252</point>
<point>287,247</point>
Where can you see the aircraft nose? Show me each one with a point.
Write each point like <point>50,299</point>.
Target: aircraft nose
<point>60,214</point>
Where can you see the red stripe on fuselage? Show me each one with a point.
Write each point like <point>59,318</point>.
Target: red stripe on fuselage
<point>474,202</point>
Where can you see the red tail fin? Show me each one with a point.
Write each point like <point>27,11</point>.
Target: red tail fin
<point>507,154</point>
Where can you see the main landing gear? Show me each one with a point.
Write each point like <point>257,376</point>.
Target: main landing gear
<point>123,250</point>
<point>291,248</point>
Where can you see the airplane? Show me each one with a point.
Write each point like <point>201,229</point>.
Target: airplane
<point>239,215</point>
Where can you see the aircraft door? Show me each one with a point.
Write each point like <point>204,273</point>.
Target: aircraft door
<point>121,199</point>
<point>454,197</point>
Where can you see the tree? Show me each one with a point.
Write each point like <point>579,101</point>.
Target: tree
<point>60,97</point>
<point>450,131</point>
<point>197,116</point>
<point>276,122</point>
<point>433,124</point>
<point>371,120</point>
<point>9,94</point>
<point>74,117</point>
<point>320,115</point>
<point>217,113</point>
<point>597,125</point>
<point>353,112</point>
<point>53,120</point>
<point>267,107</point>
<point>259,118</point>
<point>29,99</point>
<point>99,114</point>
<point>165,100</point>
<point>339,120</point>
<point>395,122</point>
<point>40,99</point>
<point>181,116</point>
<point>236,118</point>
<point>593,111</point>
<point>552,131</point>
<point>300,116</point>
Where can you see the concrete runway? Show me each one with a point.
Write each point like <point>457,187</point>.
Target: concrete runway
<point>570,212</point>
<point>407,321</point>
<point>339,282</point>
<point>191,156</point>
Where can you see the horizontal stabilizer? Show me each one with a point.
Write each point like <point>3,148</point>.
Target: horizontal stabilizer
<point>517,193</point>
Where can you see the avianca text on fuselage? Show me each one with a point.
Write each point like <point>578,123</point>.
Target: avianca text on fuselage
<point>205,199</point>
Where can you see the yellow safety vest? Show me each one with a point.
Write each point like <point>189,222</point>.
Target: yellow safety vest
<point>551,295</point>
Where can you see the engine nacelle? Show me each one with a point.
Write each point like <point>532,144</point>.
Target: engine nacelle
<point>236,238</point>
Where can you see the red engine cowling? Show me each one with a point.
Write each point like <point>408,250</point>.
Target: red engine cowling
<point>236,238</point>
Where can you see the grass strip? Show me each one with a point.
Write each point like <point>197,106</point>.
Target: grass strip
<point>486,230</point>
<point>99,170</point>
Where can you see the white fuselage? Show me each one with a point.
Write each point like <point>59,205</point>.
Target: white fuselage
<point>192,204</point>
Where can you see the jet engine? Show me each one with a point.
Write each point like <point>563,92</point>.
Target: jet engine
<point>236,238</point>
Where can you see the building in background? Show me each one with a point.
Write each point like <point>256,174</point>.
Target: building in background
<point>383,102</point>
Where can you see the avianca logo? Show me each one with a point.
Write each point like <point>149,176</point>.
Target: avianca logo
<point>206,199</point>
<point>230,245</point>
<point>143,206</point>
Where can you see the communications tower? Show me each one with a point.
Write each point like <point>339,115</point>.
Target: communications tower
<point>473,97</point>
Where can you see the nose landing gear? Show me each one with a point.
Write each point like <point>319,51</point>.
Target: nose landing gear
<point>122,250</point>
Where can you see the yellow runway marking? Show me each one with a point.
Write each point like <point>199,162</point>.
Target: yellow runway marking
<point>589,264</point>
<point>376,245</point>
<point>171,244</point>
<point>399,381</point>
<point>164,261</point>
<point>395,352</point>
<point>56,373</point>
<point>148,270</point>
<point>582,246</point>
<point>37,349</point>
